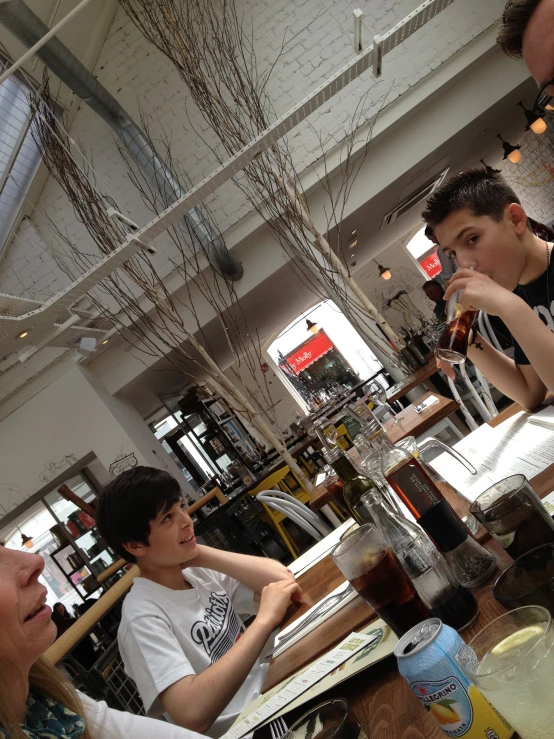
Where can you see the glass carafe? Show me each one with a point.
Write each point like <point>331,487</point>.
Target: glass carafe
<point>417,450</point>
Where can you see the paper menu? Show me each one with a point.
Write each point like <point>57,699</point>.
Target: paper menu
<point>513,447</point>
<point>381,646</point>
<point>268,707</point>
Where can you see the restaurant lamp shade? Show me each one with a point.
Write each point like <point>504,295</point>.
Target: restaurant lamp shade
<point>384,272</point>
<point>26,541</point>
<point>511,152</point>
<point>312,327</point>
<point>539,126</point>
<point>534,122</point>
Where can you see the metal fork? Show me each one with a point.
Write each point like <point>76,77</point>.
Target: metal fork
<point>278,728</point>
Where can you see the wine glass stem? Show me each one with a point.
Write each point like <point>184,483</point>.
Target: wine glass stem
<point>393,414</point>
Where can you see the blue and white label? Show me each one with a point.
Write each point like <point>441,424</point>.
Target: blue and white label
<point>448,703</point>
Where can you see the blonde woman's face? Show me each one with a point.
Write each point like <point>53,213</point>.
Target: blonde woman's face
<point>26,628</point>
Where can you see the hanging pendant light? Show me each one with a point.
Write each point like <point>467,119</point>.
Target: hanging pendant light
<point>312,327</point>
<point>535,122</point>
<point>491,171</point>
<point>384,272</point>
<point>26,541</point>
<point>511,152</point>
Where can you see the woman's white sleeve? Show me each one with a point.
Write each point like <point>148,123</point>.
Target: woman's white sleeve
<point>107,723</point>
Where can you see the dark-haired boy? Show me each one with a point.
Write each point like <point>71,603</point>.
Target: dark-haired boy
<point>180,635</point>
<point>480,223</point>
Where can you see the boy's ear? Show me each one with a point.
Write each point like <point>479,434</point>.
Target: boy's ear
<point>136,548</point>
<point>517,218</point>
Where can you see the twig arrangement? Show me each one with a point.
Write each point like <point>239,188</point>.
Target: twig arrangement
<point>215,58</point>
<point>136,299</point>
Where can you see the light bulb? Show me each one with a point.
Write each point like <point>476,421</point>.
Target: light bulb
<point>514,156</point>
<point>539,126</point>
<point>386,275</point>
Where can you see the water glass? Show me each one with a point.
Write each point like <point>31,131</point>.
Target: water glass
<point>529,581</point>
<point>332,719</point>
<point>511,661</point>
<point>513,514</point>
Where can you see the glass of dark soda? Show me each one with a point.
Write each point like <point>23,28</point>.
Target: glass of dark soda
<point>370,565</point>
<point>513,514</point>
<point>453,342</point>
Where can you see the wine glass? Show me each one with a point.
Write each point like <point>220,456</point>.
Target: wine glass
<point>379,394</point>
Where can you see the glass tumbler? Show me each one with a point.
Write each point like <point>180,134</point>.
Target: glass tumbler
<point>511,661</point>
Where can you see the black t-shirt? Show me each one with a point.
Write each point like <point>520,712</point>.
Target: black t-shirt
<point>535,295</point>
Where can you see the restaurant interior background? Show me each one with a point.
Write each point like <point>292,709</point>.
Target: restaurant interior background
<point>445,97</point>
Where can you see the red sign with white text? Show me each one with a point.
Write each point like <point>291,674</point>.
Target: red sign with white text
<point>431,265</point>
<point>310,352</point>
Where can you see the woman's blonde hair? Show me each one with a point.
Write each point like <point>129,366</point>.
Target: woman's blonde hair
<point>47,679</point>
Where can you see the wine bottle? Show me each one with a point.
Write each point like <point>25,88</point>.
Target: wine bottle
<point>355,483</point>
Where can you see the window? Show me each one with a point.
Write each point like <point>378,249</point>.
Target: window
<point>424,252</point>
<point>19,155</point>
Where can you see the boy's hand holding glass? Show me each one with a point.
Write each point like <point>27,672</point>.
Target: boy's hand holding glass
<point>479,291</point>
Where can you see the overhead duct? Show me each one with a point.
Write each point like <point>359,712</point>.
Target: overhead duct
<point>28,28</point>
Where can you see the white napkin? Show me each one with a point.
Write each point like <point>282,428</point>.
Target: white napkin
<point>320,550</point>
<point>312,624</point>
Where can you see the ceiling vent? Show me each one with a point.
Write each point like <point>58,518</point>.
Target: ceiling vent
<point>414,199</point>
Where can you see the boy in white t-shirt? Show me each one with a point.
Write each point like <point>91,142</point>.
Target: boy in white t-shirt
<point>181,638</point>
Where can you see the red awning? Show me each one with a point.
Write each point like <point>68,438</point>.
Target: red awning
<point>431,265</point>
<point>310,352</point>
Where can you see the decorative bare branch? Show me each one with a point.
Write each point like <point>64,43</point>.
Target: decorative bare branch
<point>136,299</point>
<point>215,57</point>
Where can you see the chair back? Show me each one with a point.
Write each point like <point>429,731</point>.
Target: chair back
<point>277,483</point>
<point>286,509</point>
<point>214,493</point>
<point>292,504</point>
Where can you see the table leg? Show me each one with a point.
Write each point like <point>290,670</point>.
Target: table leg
<point>455,430</point>
<point>331,516</point>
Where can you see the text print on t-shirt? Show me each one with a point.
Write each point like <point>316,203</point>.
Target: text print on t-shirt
<point>219,629</point>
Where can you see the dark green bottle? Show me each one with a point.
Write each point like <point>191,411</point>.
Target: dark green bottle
<point>356,485</point>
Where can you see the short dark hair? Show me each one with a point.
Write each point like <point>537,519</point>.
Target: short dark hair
<point>482,193</point>
<point>432,282</point>
<point>129,503</point>
<point>515,20</point>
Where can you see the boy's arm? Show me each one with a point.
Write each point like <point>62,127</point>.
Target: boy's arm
<point>196,701</point>
<point>519,382</point>
<point>527,385</point>
<point>254,572</point>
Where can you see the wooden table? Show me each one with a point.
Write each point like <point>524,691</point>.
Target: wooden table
<point>411,423</point>
<point>414,380</point>
<point>381,700</point>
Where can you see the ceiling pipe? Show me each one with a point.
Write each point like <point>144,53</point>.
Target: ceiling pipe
<point>29,29</point>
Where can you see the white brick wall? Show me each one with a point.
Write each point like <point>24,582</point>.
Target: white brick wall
<point>405,276</point>
<point>142,80</point>
<point>533,177</point>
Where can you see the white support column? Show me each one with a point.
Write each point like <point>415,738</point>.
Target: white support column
<point>140,437</point>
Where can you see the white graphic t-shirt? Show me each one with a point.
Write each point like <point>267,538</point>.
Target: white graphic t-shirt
<point>167,634</point>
